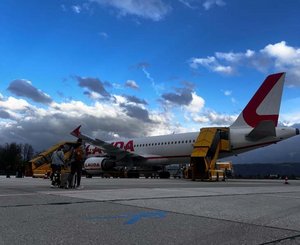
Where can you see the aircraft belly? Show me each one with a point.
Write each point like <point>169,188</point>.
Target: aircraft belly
<point>167,160</point>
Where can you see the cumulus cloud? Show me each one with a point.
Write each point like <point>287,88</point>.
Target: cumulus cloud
<point>4,114</point>
<point>182,96</point>
<point>196,105</point>
<point>14,104</point>
<point>154,10</point>
<point>211,63</point>
<point>131,84</point>
<point>136,112</point>
<point>276,57</point>
<point>211,117</point>
<point>93,85</point>
<point>44,127</point>
<point>24,88</point>
<point>135,99</point>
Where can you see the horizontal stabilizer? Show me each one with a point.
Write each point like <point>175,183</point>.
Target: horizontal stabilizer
<point>263,129</point>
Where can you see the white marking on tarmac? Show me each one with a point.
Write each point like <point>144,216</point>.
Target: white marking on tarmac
<point>18,194</point>
<point>146,193</point>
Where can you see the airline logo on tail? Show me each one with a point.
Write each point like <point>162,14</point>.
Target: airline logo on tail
<point>264,105</point>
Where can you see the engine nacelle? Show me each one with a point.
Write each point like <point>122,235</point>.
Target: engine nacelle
<point>95,165</point>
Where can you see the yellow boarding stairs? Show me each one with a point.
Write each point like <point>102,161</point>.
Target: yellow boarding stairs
<point>206,150</point>
<point>41,165</point>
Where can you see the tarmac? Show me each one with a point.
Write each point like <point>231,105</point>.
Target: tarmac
<point>150,211</point>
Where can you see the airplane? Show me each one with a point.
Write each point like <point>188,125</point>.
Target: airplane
<point>255,127</point>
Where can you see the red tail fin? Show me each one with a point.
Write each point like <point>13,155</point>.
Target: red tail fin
<point>76,131</point>
<point>264,105</point>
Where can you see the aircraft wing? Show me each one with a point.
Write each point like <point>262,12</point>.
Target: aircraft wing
<point>108,148</point>
<point>263,129</point>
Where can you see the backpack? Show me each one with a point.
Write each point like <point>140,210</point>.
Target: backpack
<point>78,154</point>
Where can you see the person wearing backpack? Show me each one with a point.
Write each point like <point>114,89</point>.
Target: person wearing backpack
<point>57,161</point>
<point>77,159</point>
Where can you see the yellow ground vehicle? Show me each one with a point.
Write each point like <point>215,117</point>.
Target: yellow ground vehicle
<point>210,142</point>
<point>227,167</point>
<point>41,165</point>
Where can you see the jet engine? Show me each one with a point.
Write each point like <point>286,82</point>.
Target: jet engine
<point>94,165</point>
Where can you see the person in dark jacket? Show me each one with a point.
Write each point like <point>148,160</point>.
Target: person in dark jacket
<point>77,159</point>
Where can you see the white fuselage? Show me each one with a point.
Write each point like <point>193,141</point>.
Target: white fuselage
<point>177,148</point>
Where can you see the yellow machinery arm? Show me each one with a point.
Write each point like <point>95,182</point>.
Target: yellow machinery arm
<point>41,165</point>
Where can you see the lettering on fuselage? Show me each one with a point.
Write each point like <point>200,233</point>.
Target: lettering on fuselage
<point>92,165</point>
<point>127,146</point>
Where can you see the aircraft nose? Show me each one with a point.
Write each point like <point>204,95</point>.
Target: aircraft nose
<point>297,131</point>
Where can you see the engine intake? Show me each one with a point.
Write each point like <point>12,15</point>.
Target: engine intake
<point>107,164</point>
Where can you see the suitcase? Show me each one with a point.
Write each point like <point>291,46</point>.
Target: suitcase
<point>64,179</point>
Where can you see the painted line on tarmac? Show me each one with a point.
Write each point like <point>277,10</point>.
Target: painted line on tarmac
<point>132,218</point>
<point>18,194</point>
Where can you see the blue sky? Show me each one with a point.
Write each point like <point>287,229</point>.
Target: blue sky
<point>127,68</point>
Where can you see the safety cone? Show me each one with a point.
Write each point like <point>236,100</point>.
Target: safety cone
<point>286,180</point>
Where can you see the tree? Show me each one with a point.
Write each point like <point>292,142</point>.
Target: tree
<point>14,156</point>
<point>26,152</point>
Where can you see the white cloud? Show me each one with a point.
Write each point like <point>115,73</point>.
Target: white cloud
<point>196,105</point>
<point>234,57</point>
<point>155,10</point>
<point>227,92</point>
<point>208,4</point>
<point>210,118</point>
<point>278,57</point>
<point>43,127</point>
<point>95,96</point>
<point>282,52</point>
<point>189,3</point>
<point>14,104</point>
<point>131,84</point>
<point>290,119</point>
<point>76,9</point>
<point>211,63</point>
<point>223,69</point>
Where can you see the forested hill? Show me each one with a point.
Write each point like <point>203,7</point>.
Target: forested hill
<point>262,170</point>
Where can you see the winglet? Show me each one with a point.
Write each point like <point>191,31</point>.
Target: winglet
<point>76,131</point>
